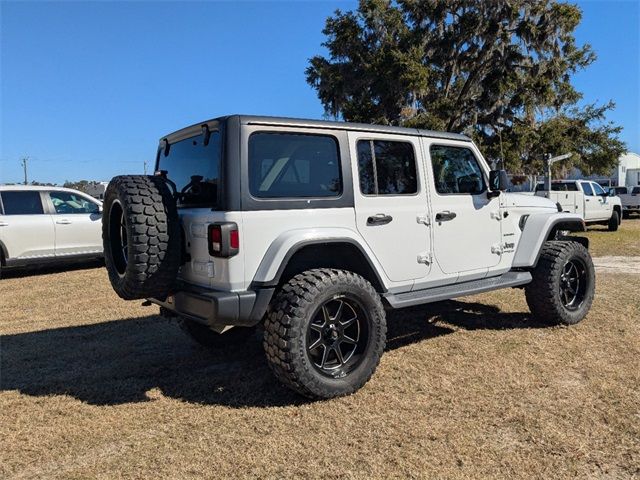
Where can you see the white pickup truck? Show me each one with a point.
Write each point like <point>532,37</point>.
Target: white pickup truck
<point>630,198</point>
<point>586,198</point>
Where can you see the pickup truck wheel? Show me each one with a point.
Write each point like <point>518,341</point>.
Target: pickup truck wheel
<point>563,283</point>
<point>614,222</point>
<point>325,332</point>
<point>206,337</point>
<point>141,237</point>
<point>625,215</point>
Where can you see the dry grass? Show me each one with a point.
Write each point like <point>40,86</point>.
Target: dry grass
<point>94,387</point>
<point>625,241</point>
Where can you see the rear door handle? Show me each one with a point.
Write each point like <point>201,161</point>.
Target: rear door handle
<point>445,216</point>
<point>4,224</point>
<point>63,221</point>
<point>379,219</point>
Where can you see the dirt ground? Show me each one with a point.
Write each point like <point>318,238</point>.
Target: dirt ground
<point>95,387</point>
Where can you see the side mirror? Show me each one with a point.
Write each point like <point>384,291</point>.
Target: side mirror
<point>498,182</point>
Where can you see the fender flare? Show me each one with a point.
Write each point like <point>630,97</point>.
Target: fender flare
<point>288,244</point>
<point>537,230</point>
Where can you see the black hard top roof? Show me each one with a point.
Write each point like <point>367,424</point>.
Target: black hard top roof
<point>320,124</point>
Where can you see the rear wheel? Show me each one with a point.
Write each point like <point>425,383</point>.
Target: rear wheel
<point>325,333</point>
<point>563,283</point>
<point>614,222</point>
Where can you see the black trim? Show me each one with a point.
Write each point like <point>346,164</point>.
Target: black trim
<point>216,308</point>
<point>318,125</point>
<point>305,243</point>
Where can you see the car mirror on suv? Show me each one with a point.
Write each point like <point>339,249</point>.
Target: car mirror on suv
<point>497,182</point>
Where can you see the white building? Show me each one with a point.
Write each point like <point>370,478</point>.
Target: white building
<point>628,172</point>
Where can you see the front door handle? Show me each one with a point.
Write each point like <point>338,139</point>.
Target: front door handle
<point>445,216</point>
<point>379,219</point>
<point>63,221</point>
<point>4,224</point>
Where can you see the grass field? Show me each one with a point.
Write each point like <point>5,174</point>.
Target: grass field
<point>626,241</point>
<point>95,387</point>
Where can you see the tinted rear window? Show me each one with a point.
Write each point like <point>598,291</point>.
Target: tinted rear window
<point>22,203</point>
<point>284,165</point>
<point>191,157</point>
<point>386,168</point>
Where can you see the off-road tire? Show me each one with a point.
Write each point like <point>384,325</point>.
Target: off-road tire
<point>626,215</point>
<point>614,222</point>
<point>206,337</point>
<point>287,321</point>
<point>543,293</point>
<point>152,234</point>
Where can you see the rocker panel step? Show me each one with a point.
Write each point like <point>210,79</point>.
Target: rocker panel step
<point>446,292</point>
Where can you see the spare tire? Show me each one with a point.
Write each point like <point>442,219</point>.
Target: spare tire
<point>141,236</point>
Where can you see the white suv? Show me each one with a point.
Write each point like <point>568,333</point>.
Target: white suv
<point>313,229</point>
<point>47,224</point>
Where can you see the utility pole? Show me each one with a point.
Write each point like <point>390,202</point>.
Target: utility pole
<point>145,167</point>
<point>24,166</point>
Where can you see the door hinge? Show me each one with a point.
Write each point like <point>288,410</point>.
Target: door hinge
<point>424,258</point>
<point>496,248</point>
<point>424,219</point>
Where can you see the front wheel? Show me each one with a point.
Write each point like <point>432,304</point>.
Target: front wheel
<point>614,222</point>
<point>563,283</point>
<point>325,332</point>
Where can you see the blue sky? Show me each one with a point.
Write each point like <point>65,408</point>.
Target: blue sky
<point>88,88</point>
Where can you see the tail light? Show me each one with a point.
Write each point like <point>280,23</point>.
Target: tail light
<point>224,239</point>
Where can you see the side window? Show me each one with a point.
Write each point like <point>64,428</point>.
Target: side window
<point>598,189</point>
<point>586,187</point>
<point>284,165</point>
<point>70,203</point>
<point>456,170</point>
<point>22,203</point>
<point>387,168</point>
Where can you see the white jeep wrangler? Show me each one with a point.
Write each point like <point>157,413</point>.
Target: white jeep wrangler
<point>313,229</point>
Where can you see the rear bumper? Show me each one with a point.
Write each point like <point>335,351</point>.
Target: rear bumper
<point>218,309</point>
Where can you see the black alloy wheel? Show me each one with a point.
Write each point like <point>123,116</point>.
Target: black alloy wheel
<point>337,336</point>
<point>573,284</point>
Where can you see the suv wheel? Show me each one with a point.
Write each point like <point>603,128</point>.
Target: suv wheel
<point>563,283</point>
<point>614,222</point>
<point>141,237</point>
<point>325,332</point>
<point>206,337</point>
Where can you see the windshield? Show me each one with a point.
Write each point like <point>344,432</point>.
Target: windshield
<point>195,169</point>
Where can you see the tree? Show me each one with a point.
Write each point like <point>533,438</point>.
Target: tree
<point>499,71</point>
<point>80,185</point>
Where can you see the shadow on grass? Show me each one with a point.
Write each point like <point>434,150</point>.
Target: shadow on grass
<point>120,361</point>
